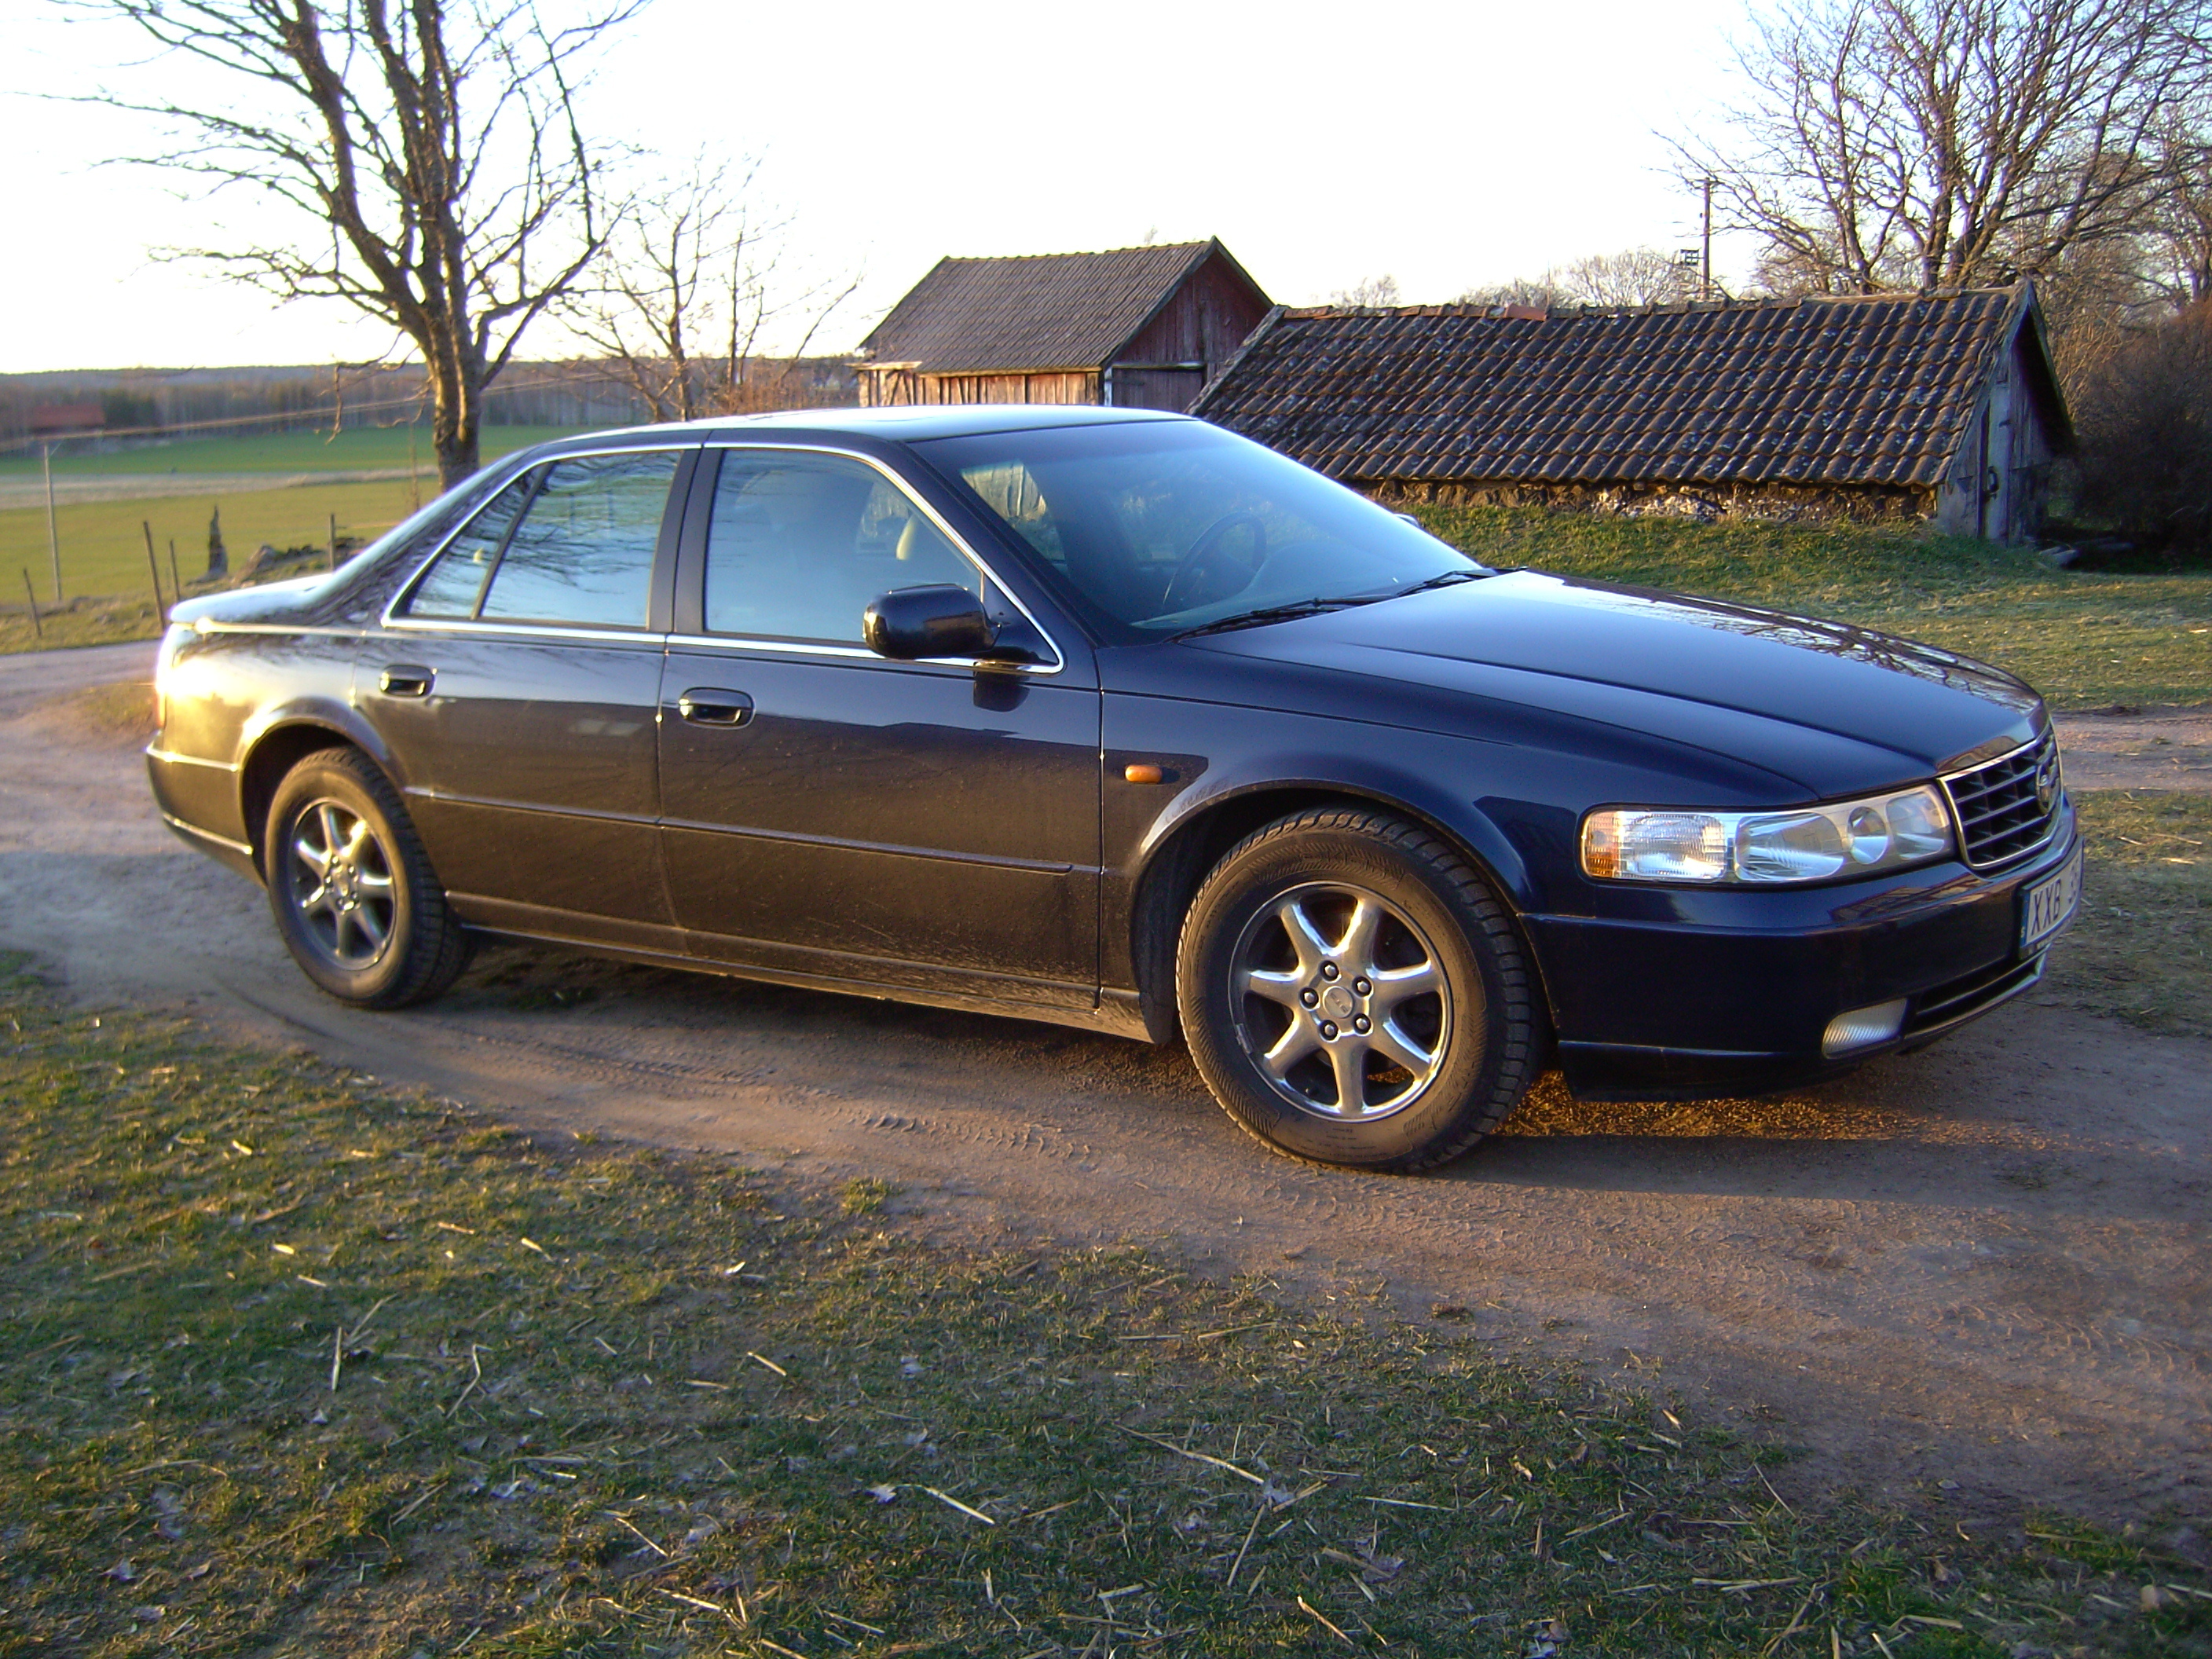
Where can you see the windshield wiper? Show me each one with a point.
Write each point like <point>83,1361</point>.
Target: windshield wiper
<point>1275,613</point>
<point>1448,579</point>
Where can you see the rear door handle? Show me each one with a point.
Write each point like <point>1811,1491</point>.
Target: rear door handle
<point>708,705</point>
<point>406,679</point>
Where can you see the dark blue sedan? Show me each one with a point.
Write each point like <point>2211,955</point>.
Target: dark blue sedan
<point>1116,720</point>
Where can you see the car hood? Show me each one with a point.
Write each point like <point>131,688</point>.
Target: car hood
<point>1830,706</point>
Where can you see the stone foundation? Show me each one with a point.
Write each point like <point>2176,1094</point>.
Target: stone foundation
<point>1774,503</point>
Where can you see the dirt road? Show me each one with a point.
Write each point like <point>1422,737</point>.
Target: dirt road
<point>1986,1264</point>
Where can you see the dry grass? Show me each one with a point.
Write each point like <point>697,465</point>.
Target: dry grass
<point>291,1364</point>
<point>85,621</point>
<point>2140,947</point>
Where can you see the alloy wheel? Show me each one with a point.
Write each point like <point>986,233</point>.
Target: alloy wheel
<point>341,884</point>
<point>1342,1002</point>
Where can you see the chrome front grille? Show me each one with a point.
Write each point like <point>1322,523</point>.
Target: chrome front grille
<point>2007,807</point>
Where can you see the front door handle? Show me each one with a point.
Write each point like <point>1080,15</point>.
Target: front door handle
<point>406,679</point>
<point>708,705</point>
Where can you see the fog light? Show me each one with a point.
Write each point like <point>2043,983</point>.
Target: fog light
<point>1862,1028</point>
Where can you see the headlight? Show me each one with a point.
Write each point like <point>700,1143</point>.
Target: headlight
<point>1809,843</point>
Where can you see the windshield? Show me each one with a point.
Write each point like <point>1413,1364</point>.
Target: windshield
<point>1154,528</point>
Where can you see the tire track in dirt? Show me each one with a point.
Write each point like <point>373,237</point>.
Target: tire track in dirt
<point>1986,1263</point>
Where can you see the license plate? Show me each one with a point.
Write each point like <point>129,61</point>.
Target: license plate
<point>2049,905</point>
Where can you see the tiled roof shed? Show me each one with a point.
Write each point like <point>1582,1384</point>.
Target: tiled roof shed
<point>1137,326</point>
<point>1891,394</point>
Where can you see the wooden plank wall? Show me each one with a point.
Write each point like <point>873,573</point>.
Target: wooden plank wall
<point>1204,322</point>
<point>884,387</point>
<point>1999,485</point>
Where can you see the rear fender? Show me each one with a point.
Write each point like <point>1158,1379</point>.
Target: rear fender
<point>276,740</point>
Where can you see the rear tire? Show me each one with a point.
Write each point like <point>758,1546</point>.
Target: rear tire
<point>1354,993</point>
<point>356,899</point>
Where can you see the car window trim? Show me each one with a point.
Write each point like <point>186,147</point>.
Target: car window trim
<point>706,480</point>
<point>536,476</point>
<point>656,626</point>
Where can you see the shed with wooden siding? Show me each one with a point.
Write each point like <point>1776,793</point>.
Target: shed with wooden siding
<point>1135,328</point>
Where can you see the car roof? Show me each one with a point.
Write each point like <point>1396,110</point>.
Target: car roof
<point>907,423</point>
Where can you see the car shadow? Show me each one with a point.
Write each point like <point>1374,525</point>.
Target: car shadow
<point>1980,1121</point>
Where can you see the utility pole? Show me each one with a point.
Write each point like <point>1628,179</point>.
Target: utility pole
<point>1705,268</point>
<point>53,537</point>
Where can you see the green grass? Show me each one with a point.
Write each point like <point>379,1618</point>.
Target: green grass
<point>2084,639</point>
<point>104,547</point>
<point>359,448</point>
<point>2140,947</point>
<point>292,1365</point>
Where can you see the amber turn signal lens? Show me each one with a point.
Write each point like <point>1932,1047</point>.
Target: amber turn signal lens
<point>1142,774</point>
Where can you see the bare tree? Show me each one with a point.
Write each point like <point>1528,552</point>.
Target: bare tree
<point>686,290</point>
<point>1936,144</point>
<point>2182,233</point>
<point>2144,412</point>
<point>436,147</point>
<point>1369,291</point>
<point>1633,276</point>
<point>1541,292</point>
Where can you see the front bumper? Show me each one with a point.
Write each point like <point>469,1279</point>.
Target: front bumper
<point>1681,992</point>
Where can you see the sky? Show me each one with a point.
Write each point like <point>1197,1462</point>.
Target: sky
<point>1449,145</point>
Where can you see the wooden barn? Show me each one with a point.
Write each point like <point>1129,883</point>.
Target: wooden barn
<point>1134,327</point>
<point>1890,406</point>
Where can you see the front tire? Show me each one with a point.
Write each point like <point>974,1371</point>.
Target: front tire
<point>356,899</point>
<point>1353,993</point>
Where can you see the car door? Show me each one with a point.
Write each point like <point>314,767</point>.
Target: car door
<point>516,683</point>
<point>932,826</point>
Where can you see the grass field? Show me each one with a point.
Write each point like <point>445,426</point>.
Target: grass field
<point>293,1364</point>
<point>2084,639</point>
<point>362,448</point>
<point>104,549</point>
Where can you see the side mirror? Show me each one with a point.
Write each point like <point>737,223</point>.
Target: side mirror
<point>941,620</point>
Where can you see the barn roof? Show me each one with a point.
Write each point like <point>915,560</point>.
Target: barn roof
<point>1869,390</point>
<point>1037,311</point>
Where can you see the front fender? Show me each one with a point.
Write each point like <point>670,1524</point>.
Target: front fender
<point>1292,773</point>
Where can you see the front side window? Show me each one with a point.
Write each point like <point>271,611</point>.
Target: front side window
<point>1150,528</point>
<point>799,543</point>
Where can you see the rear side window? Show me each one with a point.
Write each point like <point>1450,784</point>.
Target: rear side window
<point>584,550</point>
<point>456,581</point>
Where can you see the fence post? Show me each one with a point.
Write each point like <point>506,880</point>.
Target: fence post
<point>334,542</point>
<point>176,581</point>
<point>152,566</point>
<point>32,594</point>
<point>54,539</point>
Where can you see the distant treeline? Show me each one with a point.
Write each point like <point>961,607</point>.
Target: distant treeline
<point>309,398</point>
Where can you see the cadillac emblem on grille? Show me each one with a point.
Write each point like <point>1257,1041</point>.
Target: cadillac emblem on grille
<point>2046,779</point>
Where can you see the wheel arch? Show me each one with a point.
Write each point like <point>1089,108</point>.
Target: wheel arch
<point>272,751</point>
<point>1183,847</point>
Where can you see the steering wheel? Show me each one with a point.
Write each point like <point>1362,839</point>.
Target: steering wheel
<point>1209,539</point>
